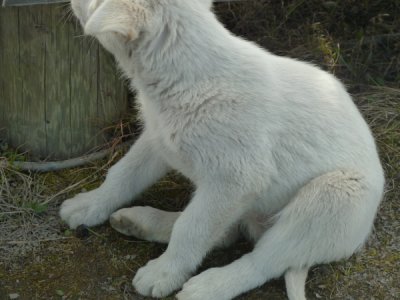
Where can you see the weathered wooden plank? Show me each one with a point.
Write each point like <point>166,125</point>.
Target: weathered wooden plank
<point>32,65</point>
<point>112,95</point>
<point>10,78</point>
<point>30,2</point>
<point>57,88</point>
<point>57,82</point>
<point>4,17</point>
<point>84,76</point>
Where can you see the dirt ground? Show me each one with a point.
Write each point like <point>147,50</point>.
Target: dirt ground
<point>48,261</point>
<point>40,258</point>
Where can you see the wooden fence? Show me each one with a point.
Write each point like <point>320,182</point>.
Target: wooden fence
<point>57,88</point>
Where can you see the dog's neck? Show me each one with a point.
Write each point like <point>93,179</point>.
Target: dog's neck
<point>175,55</point>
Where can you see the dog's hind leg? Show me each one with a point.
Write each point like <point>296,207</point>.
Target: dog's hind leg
<point>328,219</point>
<point>145,223</point>
<point>154,225</point>
<point>295,280</point>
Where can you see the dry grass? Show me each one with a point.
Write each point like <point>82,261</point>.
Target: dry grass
<point>22,201</point>
<point>19,192</point>
<point>359,40</point>
<point>29,204</point>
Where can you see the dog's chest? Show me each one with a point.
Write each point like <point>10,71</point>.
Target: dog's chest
<point>166,130</point>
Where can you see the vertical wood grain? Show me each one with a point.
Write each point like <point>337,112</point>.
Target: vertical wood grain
<point>57,88</point>
<point>112,103</point>
<point>10,77</point>
<point>32,67</point>
<point>83,101</point>
<point>57,82</point>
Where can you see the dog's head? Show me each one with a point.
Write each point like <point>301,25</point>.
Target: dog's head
<point>126,18</point>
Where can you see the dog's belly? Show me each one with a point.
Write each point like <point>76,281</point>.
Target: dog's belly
<point>261,215</point>
<point>254,224</point>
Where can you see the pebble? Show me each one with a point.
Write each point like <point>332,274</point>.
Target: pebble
<point>82,232</point>
<point>13,296</point>
<point>130,257</point>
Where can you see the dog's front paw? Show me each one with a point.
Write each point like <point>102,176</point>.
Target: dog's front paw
<point>207,285</point>
<point>86,208</point>
<point>159,278</point>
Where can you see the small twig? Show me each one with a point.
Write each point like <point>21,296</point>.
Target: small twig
<point>49,166</point>
<point>12,212</point>
<point>96,234</point>
<point>71,187</point>
<point>372,39</point>
<point>40,241</point>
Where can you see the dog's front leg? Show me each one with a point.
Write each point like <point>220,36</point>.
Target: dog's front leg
<point>215,208</point>
<point>137,170</point>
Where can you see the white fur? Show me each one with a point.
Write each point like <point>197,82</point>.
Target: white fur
<point>259,135</point>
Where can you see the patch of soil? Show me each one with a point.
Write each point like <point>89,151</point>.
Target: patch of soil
<point>102,265</point>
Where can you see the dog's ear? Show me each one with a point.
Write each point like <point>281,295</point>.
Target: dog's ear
<point>123,17</point>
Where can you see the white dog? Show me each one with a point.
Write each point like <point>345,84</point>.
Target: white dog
<point>275,147</point>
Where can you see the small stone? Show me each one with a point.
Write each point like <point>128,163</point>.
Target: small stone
<point>329,4</point>
<point>13,296</point>
<point>82,231</point>
<point>130,257</point>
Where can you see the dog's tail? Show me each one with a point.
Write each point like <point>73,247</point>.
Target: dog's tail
<point>295,283</point>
